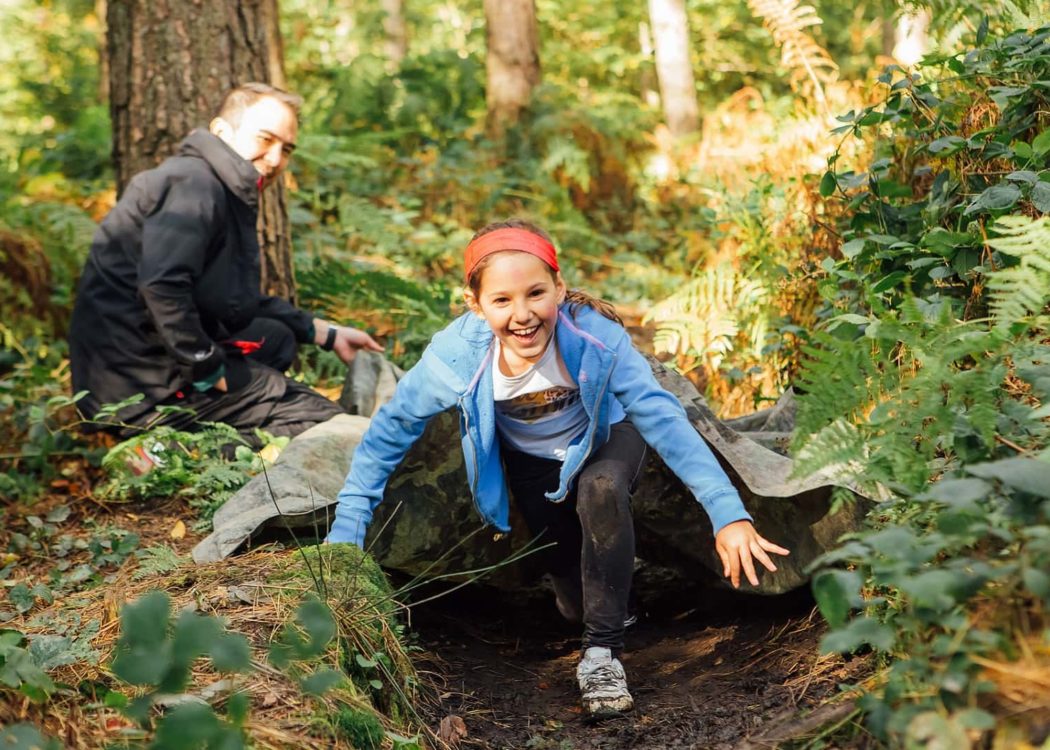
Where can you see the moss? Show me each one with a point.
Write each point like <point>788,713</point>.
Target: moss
<point>361,729</point>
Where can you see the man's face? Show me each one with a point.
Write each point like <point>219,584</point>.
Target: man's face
<point>265,136</point>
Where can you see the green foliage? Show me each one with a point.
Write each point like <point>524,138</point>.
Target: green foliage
<point>158,651</point>
<point>917,396</point>
<point>361,728</point>
<point>195,466</point>
<point>19,670</point>
<point>26,737</point>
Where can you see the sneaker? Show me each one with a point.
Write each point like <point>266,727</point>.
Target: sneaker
<point>603,684</point>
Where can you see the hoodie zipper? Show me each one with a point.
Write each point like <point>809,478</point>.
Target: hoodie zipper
<point>594,428</point>
<point>474,456</point>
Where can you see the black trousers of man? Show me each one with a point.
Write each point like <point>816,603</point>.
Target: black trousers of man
<point>592,562</point>
<point>258,395</point>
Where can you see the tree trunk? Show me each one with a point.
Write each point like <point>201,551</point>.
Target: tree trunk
<point>673,67</point>
<point>170,64</point>
<point>647,80</point>
<point>513,60</point>
<point>396,43</point>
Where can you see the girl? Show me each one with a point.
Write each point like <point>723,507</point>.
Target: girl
<point>557,406</point>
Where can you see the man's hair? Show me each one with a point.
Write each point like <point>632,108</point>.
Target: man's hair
<point>240,98</point>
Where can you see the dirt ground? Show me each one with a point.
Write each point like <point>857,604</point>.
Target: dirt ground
<point>708,670</point>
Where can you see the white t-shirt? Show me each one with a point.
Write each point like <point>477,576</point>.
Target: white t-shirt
<point>538,412</point>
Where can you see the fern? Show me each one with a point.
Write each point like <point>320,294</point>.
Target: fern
<point>1024,289</point>
<point>157,560</point>
<point>809,64</point>
<point>705,317</point>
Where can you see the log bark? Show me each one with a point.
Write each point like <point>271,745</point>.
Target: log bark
<point>169,65</point>
<point>427,524</point>
<point>674,68</point>
<point>512,61</point>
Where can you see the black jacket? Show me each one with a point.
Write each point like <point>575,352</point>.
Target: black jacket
<point>173,271</point>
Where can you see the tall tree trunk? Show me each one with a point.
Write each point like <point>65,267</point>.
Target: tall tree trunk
<point>647,81</point>
<point>512,62</point>
<point>170,64</point>
<point>673,67</point>
<point>396,43</point>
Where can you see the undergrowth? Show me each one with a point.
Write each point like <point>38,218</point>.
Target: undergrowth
<point>927,388</point>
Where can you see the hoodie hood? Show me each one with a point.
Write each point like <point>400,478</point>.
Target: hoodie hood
<point>235,172</point>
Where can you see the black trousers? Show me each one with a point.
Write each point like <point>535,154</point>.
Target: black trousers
<point>258,394</point>
<point>592,529</point>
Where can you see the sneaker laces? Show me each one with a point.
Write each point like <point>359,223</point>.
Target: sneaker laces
<point>602,676</point>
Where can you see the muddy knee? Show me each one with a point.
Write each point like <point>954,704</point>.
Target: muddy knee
<point>603,500</point>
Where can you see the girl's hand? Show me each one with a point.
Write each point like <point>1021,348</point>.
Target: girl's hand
<point>737,543</point>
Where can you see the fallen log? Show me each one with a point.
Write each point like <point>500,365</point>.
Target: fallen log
<point>427,525</point>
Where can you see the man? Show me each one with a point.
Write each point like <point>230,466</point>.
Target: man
<point>169,304</point>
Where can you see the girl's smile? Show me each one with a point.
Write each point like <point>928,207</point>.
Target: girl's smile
<point>518,297</point>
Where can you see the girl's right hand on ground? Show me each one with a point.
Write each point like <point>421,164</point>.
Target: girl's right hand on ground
<point>739,545</point>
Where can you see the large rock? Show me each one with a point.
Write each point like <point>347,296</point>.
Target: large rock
<point>427,525</point>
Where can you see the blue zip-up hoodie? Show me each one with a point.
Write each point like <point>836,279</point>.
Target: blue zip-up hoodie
<point>615,381</point>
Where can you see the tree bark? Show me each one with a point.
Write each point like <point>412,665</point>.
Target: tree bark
<point>512,62</point>
<point>396,44</point>
<point>674,69</point>
<point>170,64</point>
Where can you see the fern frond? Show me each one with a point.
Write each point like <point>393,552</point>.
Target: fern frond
<point>707,314</point>
<point>1024,289</point>
<point>805,59</point>
<point>838,450</point>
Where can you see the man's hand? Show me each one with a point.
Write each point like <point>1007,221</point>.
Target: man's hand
<point>220,385</point>
<point>347,340</point>
<point>737,543</point>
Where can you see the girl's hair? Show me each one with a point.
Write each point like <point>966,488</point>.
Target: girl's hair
<point>575,297</point>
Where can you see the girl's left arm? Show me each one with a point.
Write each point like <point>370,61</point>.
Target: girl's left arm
<point>662,422</point>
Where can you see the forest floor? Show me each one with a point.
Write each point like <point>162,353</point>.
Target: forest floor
<point>708,669</point>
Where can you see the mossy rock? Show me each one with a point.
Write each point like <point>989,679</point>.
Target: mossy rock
<point>371,648</point>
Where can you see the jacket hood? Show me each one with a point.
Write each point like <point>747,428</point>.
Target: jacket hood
<point>235,172</point>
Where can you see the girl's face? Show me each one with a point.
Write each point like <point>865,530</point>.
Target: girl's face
<point>518,297</point>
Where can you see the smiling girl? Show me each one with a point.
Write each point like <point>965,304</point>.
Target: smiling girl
<point>557,407</point>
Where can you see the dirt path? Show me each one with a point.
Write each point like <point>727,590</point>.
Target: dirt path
<point>703,676</point>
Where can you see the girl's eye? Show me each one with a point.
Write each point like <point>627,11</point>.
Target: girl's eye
<point>537,292</point>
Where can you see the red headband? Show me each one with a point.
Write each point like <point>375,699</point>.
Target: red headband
<point>521,240</point>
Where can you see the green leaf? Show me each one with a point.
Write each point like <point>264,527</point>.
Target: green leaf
<point>364,662</point>
<point>996,198</point>
<point>230,652</point>
<point>1037,581</point>
<point>828,183</point>
<point>22,597</point>
<point>51,651</point>
<point>317,620</point>
<point>1026,474</point>
<point>835,591</point>
<point>1040,196</point>
<point>889,281</point>
<point>852,248</point>
<point>931,731</point>
<point>1023,150</point>
<point>26,737</point>
<point>933,589</point>
<point>859,632</point>
<point>1041,143</point>
<point>321,681</point>
<point>947,145</point>
<point>974,718</point>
